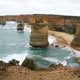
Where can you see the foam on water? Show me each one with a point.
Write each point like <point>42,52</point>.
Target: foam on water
<point>55,60</point>
<point>64,62</point>
<point>27,28</point>
<point>74,53</point>
<point>9,25</point>
<point>51,39</point>
<point>19,57</point>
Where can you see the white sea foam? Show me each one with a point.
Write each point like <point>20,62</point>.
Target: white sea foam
<point>51,39</point>
<point>11,22</point>
<point>55,60</point>
<point>64,62</point>
<point>27,29</point>
<point>19,57</point>
<point>74,53</point>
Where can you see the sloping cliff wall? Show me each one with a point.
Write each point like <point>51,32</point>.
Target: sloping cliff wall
<point>76,41</point>
<point>55,22</point>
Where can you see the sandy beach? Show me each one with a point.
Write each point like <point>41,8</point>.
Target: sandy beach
<point>62,38</point>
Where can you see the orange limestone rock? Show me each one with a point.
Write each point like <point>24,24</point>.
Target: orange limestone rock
<point>39,33</point>
<point>76,41</point>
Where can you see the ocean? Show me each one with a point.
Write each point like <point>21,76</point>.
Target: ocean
<point>15,45</point>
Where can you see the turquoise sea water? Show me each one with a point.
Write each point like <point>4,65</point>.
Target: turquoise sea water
<point>15,45</point>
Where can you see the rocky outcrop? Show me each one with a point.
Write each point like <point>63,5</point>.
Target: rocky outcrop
<point>2,20</point>
<point>39,34</point>
<point>29,63</point>
<point>76,41</point>
<point>20,26</point>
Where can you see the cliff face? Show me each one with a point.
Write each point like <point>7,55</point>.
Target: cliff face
<point>76,41</point>
<point>55,22</point>
<point>58,23</point>
<point>39,34</point>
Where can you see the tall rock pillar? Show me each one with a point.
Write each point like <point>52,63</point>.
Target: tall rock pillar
<point>2,20</point>
<point>39,34</point>
<point>76,41</point>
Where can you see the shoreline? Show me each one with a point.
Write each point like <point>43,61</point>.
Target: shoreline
<point>53,72</point>
<point>62,37</point>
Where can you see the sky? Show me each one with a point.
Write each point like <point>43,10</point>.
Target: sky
<point>59,7</point>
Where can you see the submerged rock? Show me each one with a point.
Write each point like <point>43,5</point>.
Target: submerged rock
<point>56,46</point>
<point>39,34</point>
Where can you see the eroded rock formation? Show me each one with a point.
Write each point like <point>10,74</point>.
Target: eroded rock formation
<point>39,34</point>
<point>20,26</point>
<point>76,41</point>
<point>2,20</point>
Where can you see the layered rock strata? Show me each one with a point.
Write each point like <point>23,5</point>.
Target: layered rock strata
<point>2,21</point>
<point>39,34</point>
<point>76,41</point>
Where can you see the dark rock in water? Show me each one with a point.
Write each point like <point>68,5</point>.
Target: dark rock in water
<point>13,62</point>
<point>3,66</point>
<point>20,27</point>
<point>29,63</point>
<point>56,46</point>
<point>3,23</point>
<point>52,44</point>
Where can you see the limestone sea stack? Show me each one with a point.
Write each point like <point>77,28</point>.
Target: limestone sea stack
<point>20,26</point>
<point>39,33</point>
<point>2,20</point>
<point>76,41</point>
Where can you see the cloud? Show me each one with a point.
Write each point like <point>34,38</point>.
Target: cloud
<point>63,7</point>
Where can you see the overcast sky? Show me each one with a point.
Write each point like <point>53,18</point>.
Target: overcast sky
<point>63,7</point>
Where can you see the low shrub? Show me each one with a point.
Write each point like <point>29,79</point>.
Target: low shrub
<point>29,63</point>
<point>13,62</point>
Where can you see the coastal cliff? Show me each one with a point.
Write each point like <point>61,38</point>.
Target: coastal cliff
<point>76,41</point>
<point>55,22</point>
<point>2,20</point>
